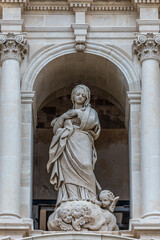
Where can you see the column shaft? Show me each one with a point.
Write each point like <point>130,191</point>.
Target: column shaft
<point>150,137</point>
<point>10,147</point>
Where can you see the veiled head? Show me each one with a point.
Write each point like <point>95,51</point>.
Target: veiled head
<point>87,94</point>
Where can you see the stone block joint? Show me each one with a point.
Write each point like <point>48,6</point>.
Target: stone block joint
<point>13,46</point>
<point>147,46</point>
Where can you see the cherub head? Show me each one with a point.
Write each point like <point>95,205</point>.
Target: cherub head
<point>65,215</point>
<point>77,211</point>
<point>106,197</point>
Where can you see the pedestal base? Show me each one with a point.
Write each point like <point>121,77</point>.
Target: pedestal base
<point>81,216</point>
<point>14,228</point>
<point>79,236</point>
<point>146,229</point>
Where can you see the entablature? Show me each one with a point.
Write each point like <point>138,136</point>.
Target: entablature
<point>95,5</point>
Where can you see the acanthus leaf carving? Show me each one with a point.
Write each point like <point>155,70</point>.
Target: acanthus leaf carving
<point>147,46</point>
<point>13,46</point>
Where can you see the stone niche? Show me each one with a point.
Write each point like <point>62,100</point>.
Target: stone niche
<point>112,167</point>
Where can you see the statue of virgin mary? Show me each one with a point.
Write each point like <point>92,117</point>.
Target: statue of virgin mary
<point>72,154</point>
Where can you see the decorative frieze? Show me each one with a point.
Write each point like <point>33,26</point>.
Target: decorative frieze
<point>13,46</point>
<point>147,46</point>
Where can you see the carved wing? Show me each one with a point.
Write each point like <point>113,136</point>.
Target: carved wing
<point>112,207</point>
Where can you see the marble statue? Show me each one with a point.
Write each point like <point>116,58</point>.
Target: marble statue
<point>72,157</point>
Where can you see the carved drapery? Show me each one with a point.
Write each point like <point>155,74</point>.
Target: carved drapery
<point>147,46</point>
<point>13,46</point>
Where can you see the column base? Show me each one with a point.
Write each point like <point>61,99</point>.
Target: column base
<point>9,215</point>
<point>152,215</point>
<point>146,229</point>
<point>15,228</point>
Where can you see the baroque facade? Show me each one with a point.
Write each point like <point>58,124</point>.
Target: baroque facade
<point>46,48</point>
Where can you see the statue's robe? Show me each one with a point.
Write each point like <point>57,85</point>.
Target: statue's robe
<point>72,156</point>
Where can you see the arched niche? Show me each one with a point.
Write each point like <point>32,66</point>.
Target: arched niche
<point>103,61</point>
<point>55,70</point>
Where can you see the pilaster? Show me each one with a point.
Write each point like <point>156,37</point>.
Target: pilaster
<point>134,99</point>
<point>27,99</point>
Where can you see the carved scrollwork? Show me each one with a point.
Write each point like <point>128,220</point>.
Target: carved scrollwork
<point>13,46</point>
<point>147,46</point>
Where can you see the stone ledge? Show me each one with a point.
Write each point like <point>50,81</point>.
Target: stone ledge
<point>13,228</point>
<point>146,228</point>
<point>78,236</point>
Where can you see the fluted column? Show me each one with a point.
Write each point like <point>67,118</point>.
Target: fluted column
<point>147,48</point>
<point>13,48</point>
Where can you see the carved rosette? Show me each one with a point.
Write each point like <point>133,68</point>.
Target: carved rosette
<point>13,46</point>
<point>80,46</point>
<point>147,46</point>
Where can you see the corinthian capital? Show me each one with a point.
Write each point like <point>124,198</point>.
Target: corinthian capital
<point>13,46</point>
<point>147,46</point>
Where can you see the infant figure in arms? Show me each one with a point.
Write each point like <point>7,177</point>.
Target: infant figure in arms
<point>72,157</point>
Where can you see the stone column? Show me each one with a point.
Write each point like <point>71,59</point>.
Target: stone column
<point>147,48</point>
<point>13,48</point>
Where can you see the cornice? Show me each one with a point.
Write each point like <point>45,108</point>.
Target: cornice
<point>145,3</point>
<point>44,7</point>
<point>12,3</point>
<point>75,5</point>
<point>79,5</point>
<point>113,7</point>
